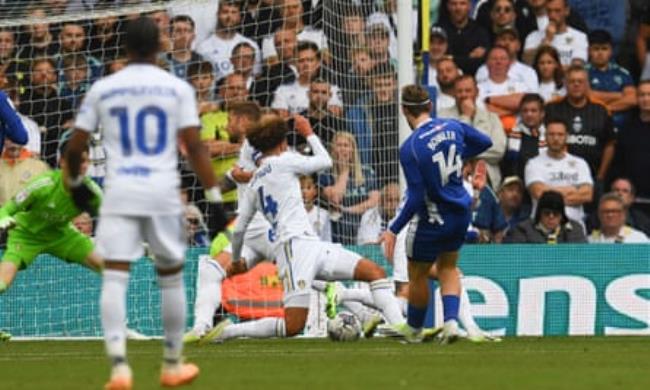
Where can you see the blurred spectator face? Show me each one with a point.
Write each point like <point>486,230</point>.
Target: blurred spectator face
<point>557,12</point>
<point>84,223</point>
<point>550,219</point>
<point>556,137</point>
<point>107,23</point>
<point>292,12</point>
<point>361,62</point>
<point>503,13</point>
<point>237,126</point>
<point>498,62</point>
<point>390,198</point>
<point>117,65</point>
<point>643,96</point>
<point>76,75</point>
<point>465,89</point>
<point>234,89</point>
<point>532,115</point>
<point>378,42</point>
<point>458,11</point>
<point>38,31</point>
<point>202,82</point>
<point>342,150</point>
<point>43,74</point>
<point>577,85</point>
<point>437,47</point>
<point>384,87</point>
<point>73,38</point>
<point>308,189</point>
<point>319,95</point>
<point>536,4</point>
<point>511,196</point>
<point>600,54</point>
<point>447,73</point>
<point>228,17</point>
<point>308,64</point>
<point>243,59</point>
<point>193,220</point>
<point>286,43</point>
<point>510,42</point>
<point>182,35</point>
<point>56,7</point>
<point>611,214</point>
<point>353,25</point>
<point>623,188</point>
<point>161,18</point>
<point>546,65</point>
<point>7,44</point>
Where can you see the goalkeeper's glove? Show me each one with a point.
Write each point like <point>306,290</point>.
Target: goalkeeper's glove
<point>7,223</point>
<point>82,196</point>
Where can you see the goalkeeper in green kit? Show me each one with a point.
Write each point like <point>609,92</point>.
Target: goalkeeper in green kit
<point>39,220</point>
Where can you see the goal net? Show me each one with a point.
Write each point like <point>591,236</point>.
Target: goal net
<point>333,61</point>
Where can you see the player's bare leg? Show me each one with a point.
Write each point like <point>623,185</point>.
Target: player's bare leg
<point>94,262</point>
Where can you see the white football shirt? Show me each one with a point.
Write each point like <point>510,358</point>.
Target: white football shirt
<point>295,97</point>
<point>569,44</point>
<point>140,110</point>
<point>218,51</point>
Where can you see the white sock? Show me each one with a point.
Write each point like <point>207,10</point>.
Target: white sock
<point>174,313</point>
<point>382,294</point>
<point>208,293</point>
<point>357,294</point>
<point>113,311</point>
<point>262,329</point>
<point>318,285</point>
<point>465,316</point>
<point>403,305</point>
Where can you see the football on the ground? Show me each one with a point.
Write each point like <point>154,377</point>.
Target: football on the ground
<point>344,327</point>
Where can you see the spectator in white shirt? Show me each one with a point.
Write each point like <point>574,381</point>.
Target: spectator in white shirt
<point>318,216</point>
<point>611,214</point>
<point>555,169</point>
<point>375,220</point>
<point>570,43</point>
<point>518,71</point>
<point>218,47</point>
<point>550,72</point>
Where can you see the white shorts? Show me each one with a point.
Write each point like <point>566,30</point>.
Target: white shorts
<point>301,260</point>
<point>120,238</point>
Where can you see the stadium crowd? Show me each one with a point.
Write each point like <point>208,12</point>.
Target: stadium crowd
<point>567,106</point>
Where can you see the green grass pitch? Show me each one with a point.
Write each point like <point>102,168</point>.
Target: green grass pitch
<point>516,363</point>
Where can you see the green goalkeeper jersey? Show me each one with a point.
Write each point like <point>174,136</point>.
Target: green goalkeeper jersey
<point>44,207</point>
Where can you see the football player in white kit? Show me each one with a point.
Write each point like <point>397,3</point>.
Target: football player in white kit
<point>144,112</point>
<point>300,255</point>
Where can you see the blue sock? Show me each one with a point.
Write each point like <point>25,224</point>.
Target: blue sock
<point>450,304</point>
<point>415,316</point>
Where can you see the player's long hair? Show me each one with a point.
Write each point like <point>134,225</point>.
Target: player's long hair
<point>356,161</point>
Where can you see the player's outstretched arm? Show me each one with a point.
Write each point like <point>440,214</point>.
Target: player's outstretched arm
<point>321,159</point>
<point>246,212</point>
<point>15,130</point>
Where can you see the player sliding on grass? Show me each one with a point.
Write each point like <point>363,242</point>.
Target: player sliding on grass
<point>301,256</point>
<point>436,205</point>
<point>144,113</point>
<point>39,219</point>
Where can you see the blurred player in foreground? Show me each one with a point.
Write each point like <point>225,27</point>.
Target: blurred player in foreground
<point>436,206</point>
<point>144,112</point>
<point>301,256</point>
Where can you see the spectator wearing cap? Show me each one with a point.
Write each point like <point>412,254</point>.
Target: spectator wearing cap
<point>386,15</point>
<point>634,217</point>
<point>501,93</point>
<point>437,50</point>
<point>570,43</point>
<point>613,230</point>
<point>633,144</point>
<point>527,139</point>
<point>378,41</point>
<point>511,199</point>
<point>550,225</point>
<point>557,170</point>
<point>468,110</point>
<point>446,75</point>
<point>518,71</point>
<point>610,82</point>
<point>468,41</point>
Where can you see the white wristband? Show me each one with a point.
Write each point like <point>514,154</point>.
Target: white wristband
<point>213,195</point>
<point>74,182</point>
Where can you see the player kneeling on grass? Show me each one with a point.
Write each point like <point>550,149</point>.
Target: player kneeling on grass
<point>39,219</point>
<point>301,256</point>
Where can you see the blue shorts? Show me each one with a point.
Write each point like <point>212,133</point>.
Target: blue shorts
<point>425,241</point>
